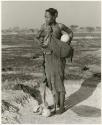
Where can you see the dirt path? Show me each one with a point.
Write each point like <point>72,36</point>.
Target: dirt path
<point>86,107</point>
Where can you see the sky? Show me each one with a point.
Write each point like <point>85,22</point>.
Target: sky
<point>30,14</point>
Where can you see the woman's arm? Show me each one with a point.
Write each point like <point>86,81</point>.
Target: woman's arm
<point>40,35</point>
<point>68,30</point>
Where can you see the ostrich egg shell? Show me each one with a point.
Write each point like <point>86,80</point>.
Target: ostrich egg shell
<point>65,38</point>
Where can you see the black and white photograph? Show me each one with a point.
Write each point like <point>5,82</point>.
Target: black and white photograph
<point>51,62</point>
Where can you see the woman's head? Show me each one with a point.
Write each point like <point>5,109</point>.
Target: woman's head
<point>50,15</point>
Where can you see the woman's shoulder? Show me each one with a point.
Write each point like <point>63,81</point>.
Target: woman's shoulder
<point>60,25</point>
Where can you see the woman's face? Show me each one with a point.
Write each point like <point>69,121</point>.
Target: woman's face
<point>49,18</point>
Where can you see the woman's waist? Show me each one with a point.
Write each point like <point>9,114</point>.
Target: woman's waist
<point>47,51</point>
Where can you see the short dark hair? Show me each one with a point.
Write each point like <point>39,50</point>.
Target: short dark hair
<point>52,11</point>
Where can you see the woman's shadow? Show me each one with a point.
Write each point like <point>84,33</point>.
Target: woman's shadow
<point>86,90</point>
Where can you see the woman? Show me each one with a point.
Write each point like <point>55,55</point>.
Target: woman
<point>54,66</point>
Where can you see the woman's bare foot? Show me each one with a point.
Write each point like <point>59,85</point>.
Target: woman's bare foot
<point>53,112</point>
<point>61,110</point>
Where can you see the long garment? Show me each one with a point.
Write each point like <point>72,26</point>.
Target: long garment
<point>54,66</point>
<point>54,72</point>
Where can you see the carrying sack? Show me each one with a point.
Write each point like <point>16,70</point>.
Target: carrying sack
<point>60,49</point>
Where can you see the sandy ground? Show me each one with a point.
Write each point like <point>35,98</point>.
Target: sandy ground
<point>86,109</point>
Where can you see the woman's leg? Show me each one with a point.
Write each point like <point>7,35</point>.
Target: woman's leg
<point>54,100</point>
<point>62,99</point>
<point>58,103</point>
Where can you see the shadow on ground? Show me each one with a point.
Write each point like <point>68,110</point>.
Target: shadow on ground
<point>86,90</point>
<point>86,111</point>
